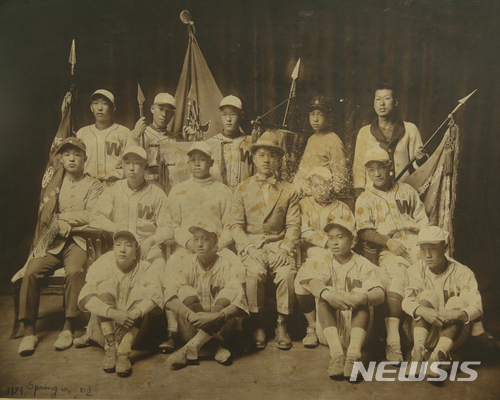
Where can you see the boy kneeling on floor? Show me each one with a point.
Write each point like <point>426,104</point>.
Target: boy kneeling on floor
<point>344,284</point>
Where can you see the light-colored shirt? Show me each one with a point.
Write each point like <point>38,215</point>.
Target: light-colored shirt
<point>104,150</point>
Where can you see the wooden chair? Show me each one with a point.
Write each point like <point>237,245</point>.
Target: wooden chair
<point>98,242</point>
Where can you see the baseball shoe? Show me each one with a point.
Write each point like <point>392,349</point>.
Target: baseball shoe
<point>417,356</point>
<point>437,356</point>
<point>283,341</point>
<point>259,339</point>
<point>393,353</point>
<point>336,367</point>
<point>349,366</point>
<point>223,355</point>
<point>310,341</point>
<point>486,343</point>
<point>108,362</point>
<point>82,341</point>
<point>171,344</point>
<point>178,359</point>
<point>123,365</point>
<point>27,345</point>
<point>64,340</point>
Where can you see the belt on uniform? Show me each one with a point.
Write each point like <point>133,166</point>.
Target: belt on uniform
<point>400,234</point>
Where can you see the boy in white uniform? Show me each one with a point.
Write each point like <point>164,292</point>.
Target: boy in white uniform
<point>316,210</point>
<point>120,290</point>
<point>206,293</point>
<point>390,215</point>
<point>105,140</point>
<point>345,285</point>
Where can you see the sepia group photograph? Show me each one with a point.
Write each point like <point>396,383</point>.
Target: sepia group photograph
<point>281,199</point>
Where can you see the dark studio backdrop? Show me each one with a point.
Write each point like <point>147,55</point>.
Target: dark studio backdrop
<point>434,51</point>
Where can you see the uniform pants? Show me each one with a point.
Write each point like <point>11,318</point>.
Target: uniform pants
<point>283,278</point>
<point>73,258</point>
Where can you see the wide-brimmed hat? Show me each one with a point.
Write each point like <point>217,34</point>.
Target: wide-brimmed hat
<point>267,140</point>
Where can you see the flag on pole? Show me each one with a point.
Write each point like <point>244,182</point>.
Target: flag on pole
<point>436,182</point>
<point>47,227</point>
<point>197,95</point>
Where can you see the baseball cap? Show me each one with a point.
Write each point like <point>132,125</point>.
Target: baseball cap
<point>268,140</point>
<point>376,153</point>
<point>432,234</point>
<point>72,141</point>
<point>207,226</point>
<point>320,103</point>
<point>164,98</point>
<point>124,232</point>
<point>201,146</point>
<point>136,150</point>
<point>105,93</point>
<point>346,220</point>
<point>231,101</point>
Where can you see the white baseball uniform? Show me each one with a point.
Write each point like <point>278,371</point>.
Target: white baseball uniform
<point>398,214</point>
<point>104,150</point>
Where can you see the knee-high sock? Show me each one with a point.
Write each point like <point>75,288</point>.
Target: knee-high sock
<point>125,346</point>
<point>445,344</point>
<point>357,339</point>
<point>199,339</point>
<point>392,326</point>
<point>420,336</point>
<point>477,328</point>
<point>173,326</point>
<point>332,338</point>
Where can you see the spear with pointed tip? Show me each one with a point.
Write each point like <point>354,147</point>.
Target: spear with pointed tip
<point>72,57</point>
<point>461,102</point>
<point>140,100</point>
<point>73,90</point>
<point>295,74</point>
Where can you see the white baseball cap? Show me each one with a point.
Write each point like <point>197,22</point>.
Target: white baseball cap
<point>124,232</point>
<point>432,234</point>
<point>376,153</point>
<point>136,150</point>
<point>231,101</point>
<point>104,93</point>
<point>207,226</point>
<point>164,98</point>
<point>201,146</point>
<point>346,220</point>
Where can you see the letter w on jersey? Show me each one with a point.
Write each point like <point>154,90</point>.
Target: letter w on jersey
<point>144,212</point>
<point>115,148</point>
<point>403,207</point>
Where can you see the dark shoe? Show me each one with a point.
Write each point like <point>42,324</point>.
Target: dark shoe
<point>283,341</point>
<point>336,367</point>
<point>259,338</point>
<point>123,365</point>
<point>109,361</point>
<point>438,356</point>
<point>171,344</point>
<point>485,343</point>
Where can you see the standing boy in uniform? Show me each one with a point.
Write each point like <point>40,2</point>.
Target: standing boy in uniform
<point>235,144</point>
<point>390,215</point>
<point>399,138</point>
<point>266,227</point>
<point>346,285</point>
<point>105,140</point>
<point>77,197</point>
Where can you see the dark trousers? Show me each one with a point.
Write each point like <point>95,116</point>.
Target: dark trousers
<point>73,258</point>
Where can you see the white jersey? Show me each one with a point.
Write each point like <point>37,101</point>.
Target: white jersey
<point>143,212</point>
<point>456,280</point>
<point>104,150</point>
<point>397,210</point>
